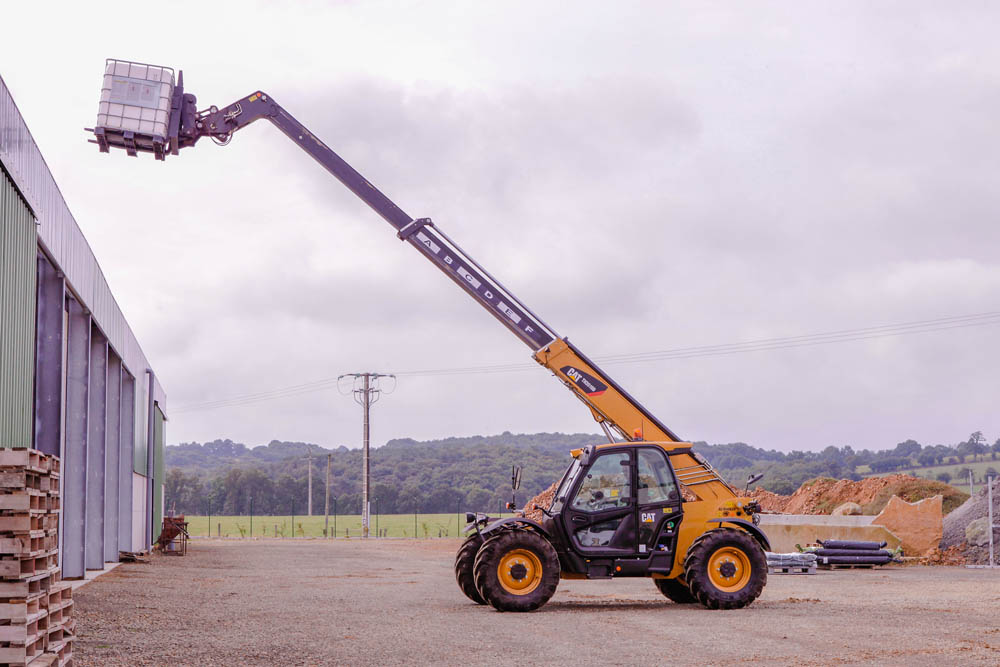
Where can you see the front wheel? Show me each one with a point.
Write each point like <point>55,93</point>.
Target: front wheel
<point>725,569</point>
<point>464,562</point>
<point>518,570</point>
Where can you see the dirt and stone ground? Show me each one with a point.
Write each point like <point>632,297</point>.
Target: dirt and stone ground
<point>388,602</point>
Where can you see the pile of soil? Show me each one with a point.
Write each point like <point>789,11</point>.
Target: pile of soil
<point>533,508</point>
<point>955,524</point>
<point>823,494</point>
<point>770,502</point>
<point>950,556</point>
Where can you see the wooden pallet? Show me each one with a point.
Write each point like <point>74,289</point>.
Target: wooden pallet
<point>850,566</point>
<point>23,478</point>
<point>25,567</point>
<point>791,569</point>
<point>33,626</point>
<point>19,611</point>
<point>12,654</point>
<point>27,588</point>
<point>26,546</point>
<point>24,500</point>
<point>27,459</point>
<point>36,607</point>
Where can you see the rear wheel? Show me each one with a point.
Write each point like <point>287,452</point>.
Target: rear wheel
<point>726,569</point>
<point>518,570</point>
<point>464,562</point>
<point>676,590</point>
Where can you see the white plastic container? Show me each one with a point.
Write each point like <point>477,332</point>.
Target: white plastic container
<point>136,97</point>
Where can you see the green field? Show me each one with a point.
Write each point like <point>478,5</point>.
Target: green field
<point>978,468</point>
<point>347,525</point>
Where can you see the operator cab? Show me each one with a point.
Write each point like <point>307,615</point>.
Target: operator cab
<point>617,510</point>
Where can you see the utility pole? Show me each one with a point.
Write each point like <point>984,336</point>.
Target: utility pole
<point>309,506</point>
<point>326,531</point>
<point>366,392</point>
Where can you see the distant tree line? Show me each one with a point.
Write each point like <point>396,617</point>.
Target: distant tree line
<point>463,474</point>
<point>441,476</point>
<point>785,472</point>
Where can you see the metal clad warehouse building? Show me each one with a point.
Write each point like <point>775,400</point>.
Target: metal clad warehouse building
<point>73,380</point>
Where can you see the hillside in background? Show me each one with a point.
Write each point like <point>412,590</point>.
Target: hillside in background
<point>473,473</point>
<point>406,475</point>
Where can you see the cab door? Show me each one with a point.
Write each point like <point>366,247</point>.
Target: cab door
<point>658,502</point>
<point>600,516</point>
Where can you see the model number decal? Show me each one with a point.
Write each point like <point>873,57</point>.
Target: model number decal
<point>590,385</point>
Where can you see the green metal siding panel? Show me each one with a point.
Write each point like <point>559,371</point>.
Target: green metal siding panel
<point>141,428</point>
<point>159,470</point>
<point>18,266</point>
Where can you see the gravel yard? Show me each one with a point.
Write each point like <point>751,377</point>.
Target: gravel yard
<point>387,602</point>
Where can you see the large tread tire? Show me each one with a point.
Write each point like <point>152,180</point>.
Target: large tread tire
<point>464,562</point>
<point>676,590</point>
<point>540,578</point>
<point>727,551</point>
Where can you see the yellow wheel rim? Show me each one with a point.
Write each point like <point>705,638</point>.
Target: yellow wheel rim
<point>519,571</point>
<point>729,569</point>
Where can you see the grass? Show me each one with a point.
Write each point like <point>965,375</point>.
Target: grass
<point>978,468</point>
<point>391,525</point>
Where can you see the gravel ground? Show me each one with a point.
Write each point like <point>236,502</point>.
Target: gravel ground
<point>391,602</point>
<point>976,507</point>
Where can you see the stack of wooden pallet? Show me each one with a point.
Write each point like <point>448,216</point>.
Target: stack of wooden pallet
<point>36,607</point>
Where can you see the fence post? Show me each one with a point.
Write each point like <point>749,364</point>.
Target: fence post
<point>989,499</point>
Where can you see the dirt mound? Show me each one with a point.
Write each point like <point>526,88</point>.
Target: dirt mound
<point>533,508</point>
<point>950,556</point>
<point>823,494</point>
<point>770,502</point>
<point>956,523</point>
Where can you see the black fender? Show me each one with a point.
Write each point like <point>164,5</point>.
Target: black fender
<point>514,522</point>
<point>749,527</point>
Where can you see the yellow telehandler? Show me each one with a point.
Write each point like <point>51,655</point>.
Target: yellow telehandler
<point>642,505</point>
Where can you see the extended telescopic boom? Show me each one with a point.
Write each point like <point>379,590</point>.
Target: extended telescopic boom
<point>610,404</point>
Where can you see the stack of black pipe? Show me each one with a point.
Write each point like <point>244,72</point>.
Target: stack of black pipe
<point>845,552</point>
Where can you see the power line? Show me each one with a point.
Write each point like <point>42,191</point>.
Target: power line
<point>757,345</point>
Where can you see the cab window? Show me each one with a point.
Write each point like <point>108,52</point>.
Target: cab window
<point>606,485</point>
<point>656,484</point>
<point>564,486</point>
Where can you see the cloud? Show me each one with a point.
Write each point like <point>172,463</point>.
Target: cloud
<point>675,176</point>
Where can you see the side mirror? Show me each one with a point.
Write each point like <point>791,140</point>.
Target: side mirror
<point>752,479</point>
<point>515,478</point>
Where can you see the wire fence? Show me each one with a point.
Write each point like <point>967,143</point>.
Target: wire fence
<point>337,526</point>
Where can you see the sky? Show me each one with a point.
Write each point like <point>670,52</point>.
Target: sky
<point>644,176</point>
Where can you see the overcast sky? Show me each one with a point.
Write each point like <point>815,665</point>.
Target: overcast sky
<point>644,176</point>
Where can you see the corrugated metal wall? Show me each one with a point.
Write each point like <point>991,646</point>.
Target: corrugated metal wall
<point>68,276</point>
<point>18,248</point>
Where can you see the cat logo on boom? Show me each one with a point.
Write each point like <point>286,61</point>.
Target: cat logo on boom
<point>590,385</point>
